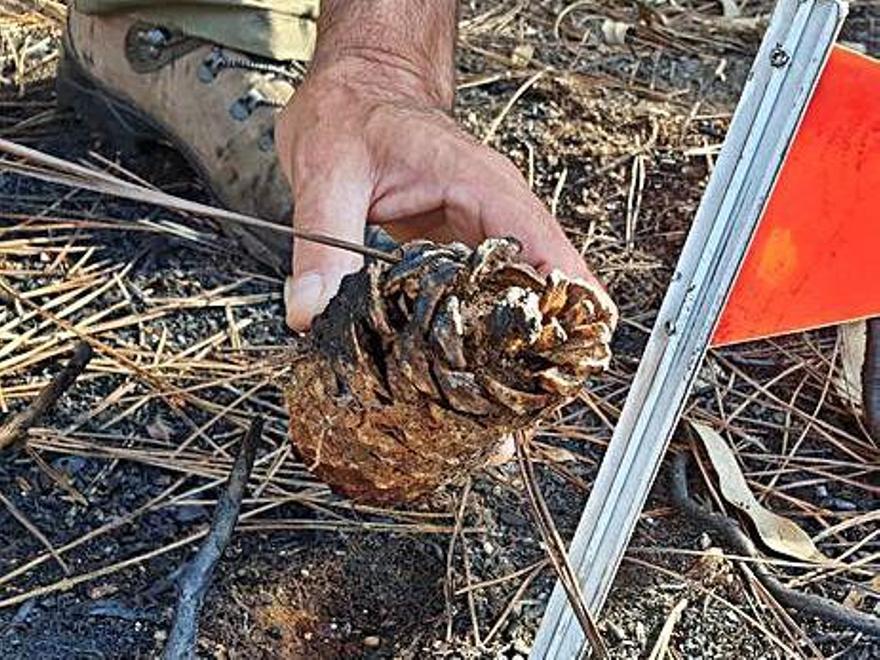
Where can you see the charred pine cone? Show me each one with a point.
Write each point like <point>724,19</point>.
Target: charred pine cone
<point>416,370</point>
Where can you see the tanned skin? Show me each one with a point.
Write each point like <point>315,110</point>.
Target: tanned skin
<point>368,137</point>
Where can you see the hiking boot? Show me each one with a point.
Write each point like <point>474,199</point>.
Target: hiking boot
<point>143,83</point>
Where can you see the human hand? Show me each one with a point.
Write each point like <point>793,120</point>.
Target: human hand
<point>367,139</point>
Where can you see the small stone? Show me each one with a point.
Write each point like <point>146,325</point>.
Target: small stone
<point>705,541</point>
<point>160,636</point>
<point>372,642</point>
<point>488,548</point>
<point>304,572</point>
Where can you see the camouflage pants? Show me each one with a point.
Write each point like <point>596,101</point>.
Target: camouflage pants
<point>279,29</point>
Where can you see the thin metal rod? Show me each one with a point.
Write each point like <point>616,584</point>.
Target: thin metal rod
<point>57,170</point>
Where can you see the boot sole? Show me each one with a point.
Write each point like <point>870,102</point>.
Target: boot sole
<point>130,131</point>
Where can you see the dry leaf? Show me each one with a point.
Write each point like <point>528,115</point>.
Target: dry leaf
<point>848,381</point>
<point>614,32</point>
<point>778,533</point>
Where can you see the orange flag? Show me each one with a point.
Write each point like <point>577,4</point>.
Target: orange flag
<point>815,258</point>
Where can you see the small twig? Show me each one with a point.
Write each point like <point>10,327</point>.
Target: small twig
<point>496,123</point>
<point>34,530</point>
<point>472,603</point>
<point>535,571</point>
<point>18,425</point>
<point>556,551</point>
<point>661,646</point>
<point>450,556</point>
<point>730,531</point>
<point>196,577</point>
<point>58,477</point>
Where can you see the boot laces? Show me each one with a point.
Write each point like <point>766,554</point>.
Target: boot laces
<point>218,60</point>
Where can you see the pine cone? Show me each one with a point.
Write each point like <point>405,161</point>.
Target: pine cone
<point>416,370</point>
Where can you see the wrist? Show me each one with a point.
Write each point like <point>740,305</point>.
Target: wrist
<point>395,48</point>
<point>384,75</point>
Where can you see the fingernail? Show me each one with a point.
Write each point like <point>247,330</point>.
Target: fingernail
<point>304,299</point>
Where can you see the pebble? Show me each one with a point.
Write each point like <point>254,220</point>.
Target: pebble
<point>372,642</point>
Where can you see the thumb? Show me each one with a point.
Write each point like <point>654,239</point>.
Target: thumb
<point>333,205</point>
